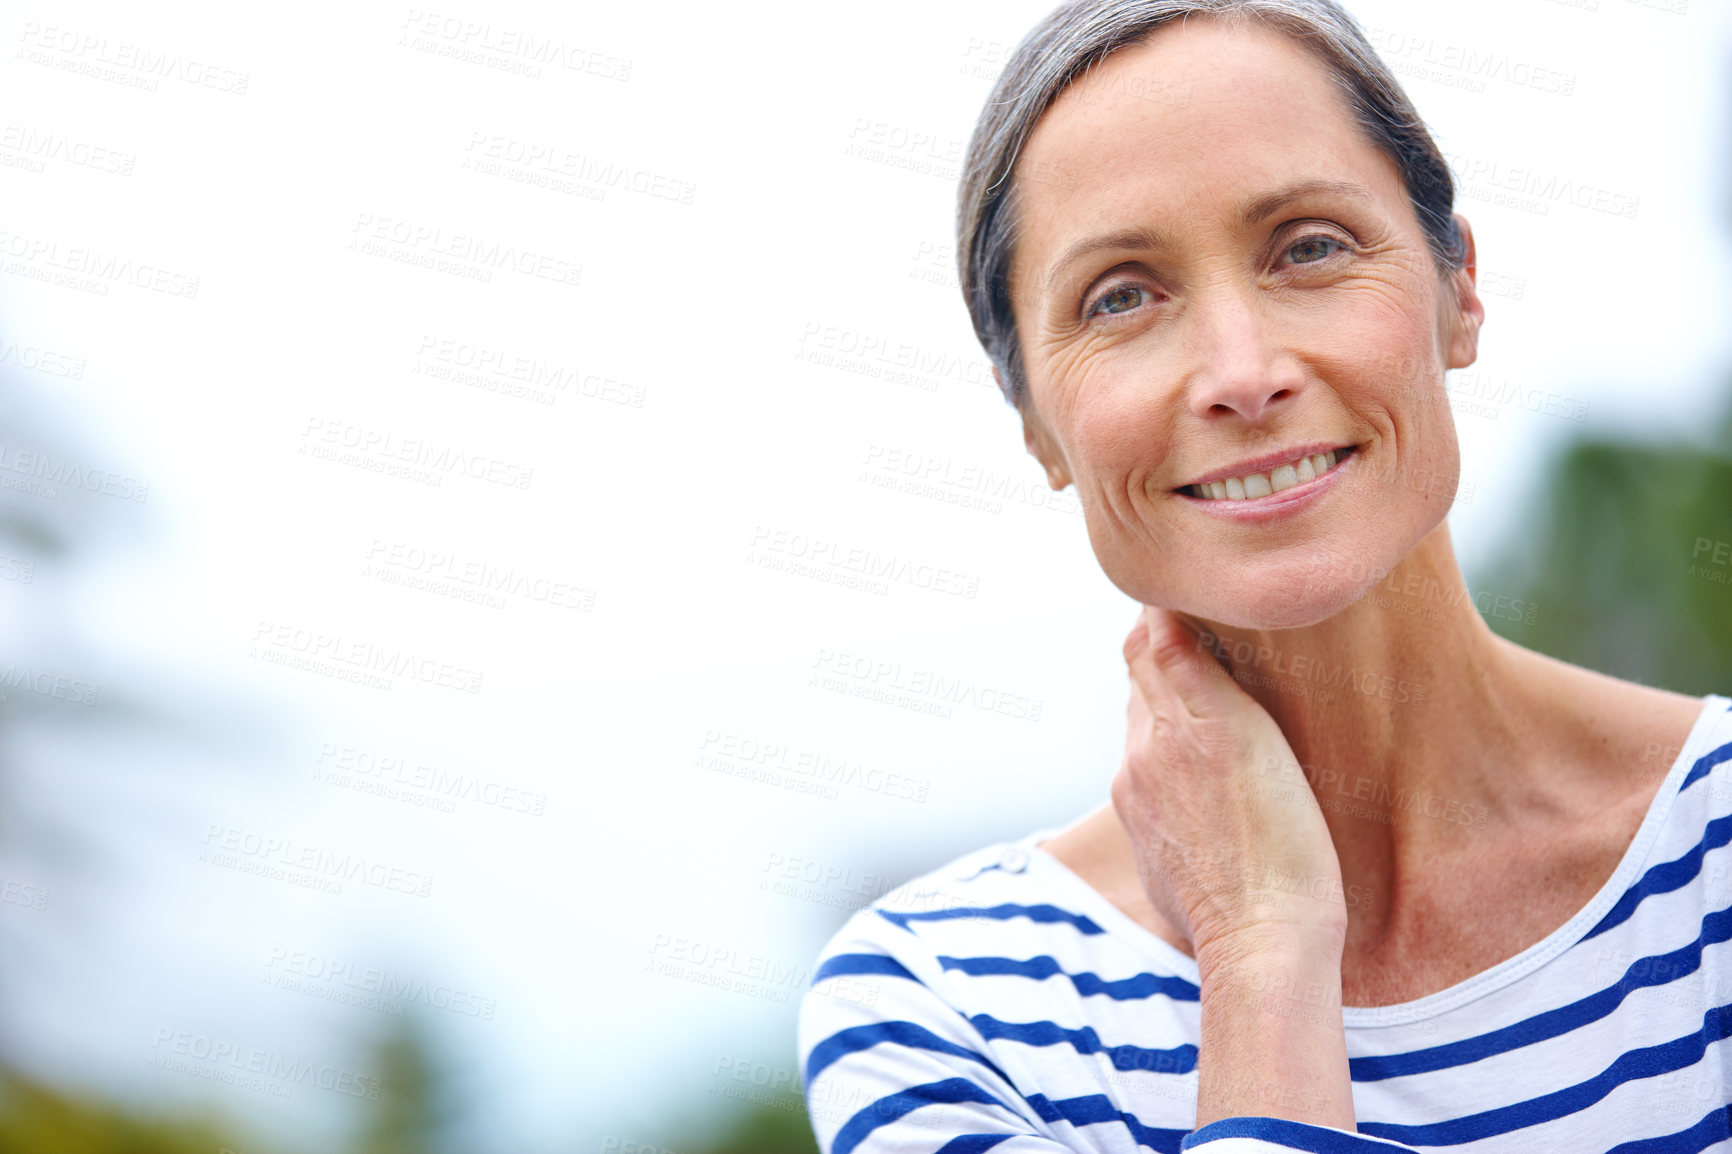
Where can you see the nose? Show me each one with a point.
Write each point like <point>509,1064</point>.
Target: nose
<point>1241,366</point>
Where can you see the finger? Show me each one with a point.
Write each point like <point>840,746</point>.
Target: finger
<point>1176,665</point>
<point>1152,690</point>
<point>1149,689</point>
<point>1139,718</point>
<point>1138,638</point>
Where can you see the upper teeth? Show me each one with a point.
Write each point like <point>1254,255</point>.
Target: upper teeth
<point>1294,472</point>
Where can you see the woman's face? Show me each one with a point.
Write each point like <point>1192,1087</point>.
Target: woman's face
<point>1219,277</point>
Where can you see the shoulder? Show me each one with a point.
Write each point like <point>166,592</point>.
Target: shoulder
<point>981,889</point>
<point>1613,746</point>
<point>974,913</point>
<point>1674,872</point>
<point>989,977</point>
<point>1697,762</point>
<point>1711,743</point>
<point>991,932</point>
<point>1699,779</point>
<point>1610,723</point>
<point>1684,788</point>
<point>881,998</point>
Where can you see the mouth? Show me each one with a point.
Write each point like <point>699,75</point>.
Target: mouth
<point>1250,484</point>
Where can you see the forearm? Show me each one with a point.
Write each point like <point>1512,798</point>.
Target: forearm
<point>1272,1039</point>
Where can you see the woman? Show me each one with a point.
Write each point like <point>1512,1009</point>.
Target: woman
<point>1367,879</point>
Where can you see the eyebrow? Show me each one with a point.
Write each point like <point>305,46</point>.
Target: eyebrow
<point>1254,212</point>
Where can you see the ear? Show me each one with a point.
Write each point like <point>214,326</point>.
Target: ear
<point>1040,441</point>
<point>1467,311</point>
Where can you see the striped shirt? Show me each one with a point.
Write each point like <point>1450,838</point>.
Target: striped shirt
<point>1002,1003</point>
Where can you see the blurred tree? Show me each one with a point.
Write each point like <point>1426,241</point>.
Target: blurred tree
<point>416,1110</point>
<point>1618,560</point>
<point>64,764</point>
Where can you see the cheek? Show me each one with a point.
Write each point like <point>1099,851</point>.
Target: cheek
<point>1104,400</point>
<point>1117,448</point>
<point>1389,327</point>
<point>1390,367</point>
<point>1422,424</point>
<point>1119,436</point>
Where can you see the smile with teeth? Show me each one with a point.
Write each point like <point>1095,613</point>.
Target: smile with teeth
<point>1252,485</point>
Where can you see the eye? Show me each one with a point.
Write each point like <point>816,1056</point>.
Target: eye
<point>1313,249</point>
<point>1119,299</point>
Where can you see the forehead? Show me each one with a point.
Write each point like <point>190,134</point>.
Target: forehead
<point>1203,114</point>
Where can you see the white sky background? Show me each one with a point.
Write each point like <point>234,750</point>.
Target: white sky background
<point>702,310</point>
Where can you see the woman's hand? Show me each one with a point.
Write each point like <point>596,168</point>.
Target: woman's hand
<point>1229,840</point>
<point>1233,850</point>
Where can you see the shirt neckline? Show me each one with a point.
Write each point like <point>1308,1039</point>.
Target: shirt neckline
<point>1126,928</point>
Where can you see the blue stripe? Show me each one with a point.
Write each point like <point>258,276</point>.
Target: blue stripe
<point>856,1038</point>
<point>1178,1060</point>
<point>1300,1136</point>
<point>1044,966</point>
<point>1647,1062</point>
<point>1711,1129</point>
<point>1287,1134</point>
<point>972,1143</point>
<point>1704,764</point>
<point>843,964</point>
<point>1093,1109</point>
<point>1655,970</point>
<point>888,1109</point>
<point>1036,913</point>
<point>1665,877</point>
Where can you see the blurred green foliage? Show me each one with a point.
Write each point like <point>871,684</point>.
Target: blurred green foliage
<point>1619,563</point>
<point>35,1119</point>
<point>417,1112</point>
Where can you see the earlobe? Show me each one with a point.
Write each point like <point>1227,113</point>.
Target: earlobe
<point>1043,447</point>
<point>1038,439</point>
<point>1469,313</point>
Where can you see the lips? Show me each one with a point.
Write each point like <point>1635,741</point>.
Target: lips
<point>1250,482</point>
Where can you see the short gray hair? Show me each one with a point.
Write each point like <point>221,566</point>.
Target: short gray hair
<point>1077,36</point>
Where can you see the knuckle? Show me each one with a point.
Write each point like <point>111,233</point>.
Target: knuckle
<point>1169,649</point>
<point>1134,642</point>
<point>1123,791</point>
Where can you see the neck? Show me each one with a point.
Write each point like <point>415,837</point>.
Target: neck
<point>1400,710</point>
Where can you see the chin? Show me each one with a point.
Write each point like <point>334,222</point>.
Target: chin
<point>1272,608</point>
<point>1291,595</point>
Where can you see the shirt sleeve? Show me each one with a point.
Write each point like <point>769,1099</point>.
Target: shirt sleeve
<point>887,1065</point>
<point>1250,1135</point>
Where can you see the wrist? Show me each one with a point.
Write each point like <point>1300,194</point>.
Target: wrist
<point>1268,948</point>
